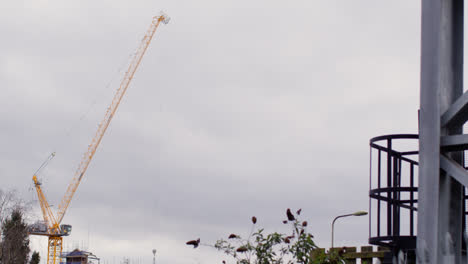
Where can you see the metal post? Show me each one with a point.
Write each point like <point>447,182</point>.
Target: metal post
<point>440,196</point>
<point>333,227</point>
<point>358,213</point>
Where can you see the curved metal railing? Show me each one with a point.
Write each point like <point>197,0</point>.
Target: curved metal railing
<point>393,190</point>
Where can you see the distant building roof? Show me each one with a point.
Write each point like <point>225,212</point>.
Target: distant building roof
<point>79,253</point>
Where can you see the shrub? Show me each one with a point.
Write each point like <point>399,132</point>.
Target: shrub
<point>275,248</point>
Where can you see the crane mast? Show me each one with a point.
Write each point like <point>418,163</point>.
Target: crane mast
<point>54,230</point>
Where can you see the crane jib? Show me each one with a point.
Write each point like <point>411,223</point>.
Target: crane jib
<point>55,238</point>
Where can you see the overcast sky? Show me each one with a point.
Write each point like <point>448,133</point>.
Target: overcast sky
<point>239,108</point>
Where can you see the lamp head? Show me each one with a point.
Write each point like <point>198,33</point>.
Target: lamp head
<point>360,213</point>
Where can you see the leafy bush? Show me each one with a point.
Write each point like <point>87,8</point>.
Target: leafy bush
<point>275,248</point>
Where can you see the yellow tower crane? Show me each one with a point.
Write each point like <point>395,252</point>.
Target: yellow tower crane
<point>51,225</point>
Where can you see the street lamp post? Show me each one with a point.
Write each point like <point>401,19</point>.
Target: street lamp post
<point>358,213</point>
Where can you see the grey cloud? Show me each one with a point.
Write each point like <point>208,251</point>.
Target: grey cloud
<point>240,108</point>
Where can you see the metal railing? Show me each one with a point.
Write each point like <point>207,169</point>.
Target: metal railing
<point>393,191</point>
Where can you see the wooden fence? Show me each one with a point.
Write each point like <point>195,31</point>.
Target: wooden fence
<point>366,255</point>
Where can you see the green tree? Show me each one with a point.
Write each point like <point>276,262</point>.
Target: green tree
<point>15,240</point>
<point>35,258</point>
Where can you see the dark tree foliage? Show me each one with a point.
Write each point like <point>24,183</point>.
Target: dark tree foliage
<point>15,240</point>
<point>35,258</point>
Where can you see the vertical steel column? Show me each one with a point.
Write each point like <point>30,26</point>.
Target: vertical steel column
<point>389,184</point>
<point>440,196</point>
<point>379,185</point>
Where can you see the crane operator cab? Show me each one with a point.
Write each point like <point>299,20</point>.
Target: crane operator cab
<point>65,230</point>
